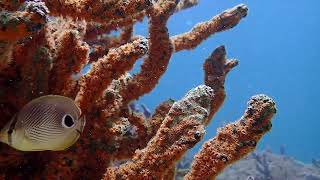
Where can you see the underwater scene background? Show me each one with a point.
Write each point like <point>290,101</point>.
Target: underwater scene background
<point>137,82</point>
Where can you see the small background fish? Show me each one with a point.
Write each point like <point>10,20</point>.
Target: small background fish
<point>50,122</point>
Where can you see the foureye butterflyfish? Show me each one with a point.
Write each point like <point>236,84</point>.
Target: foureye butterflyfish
<point>49,122</point>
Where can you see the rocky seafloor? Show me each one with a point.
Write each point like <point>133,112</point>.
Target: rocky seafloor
<point>263,166</point>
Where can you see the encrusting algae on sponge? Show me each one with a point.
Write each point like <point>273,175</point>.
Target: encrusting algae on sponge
<point>45,44</point>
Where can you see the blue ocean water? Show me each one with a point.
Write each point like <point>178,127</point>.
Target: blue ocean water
<point>278,46</point>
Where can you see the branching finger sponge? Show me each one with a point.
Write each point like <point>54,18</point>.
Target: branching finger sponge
<point>181,129</point>
<point>235,140</point>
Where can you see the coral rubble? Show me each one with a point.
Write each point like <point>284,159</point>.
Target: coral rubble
<point>45,44</point>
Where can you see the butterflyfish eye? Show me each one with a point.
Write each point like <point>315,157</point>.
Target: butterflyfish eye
<point>67,121</point>
<point>10,131</point>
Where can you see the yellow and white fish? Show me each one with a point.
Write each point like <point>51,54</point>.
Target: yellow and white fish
<point>49,122</point>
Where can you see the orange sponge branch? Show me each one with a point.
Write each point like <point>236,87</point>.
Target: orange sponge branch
<point>235,140</point>
<point>98,11</point>
<point>222,22</point>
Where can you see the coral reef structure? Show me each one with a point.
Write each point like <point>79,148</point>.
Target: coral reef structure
<point>44,45</point>
<point>262,165</point>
